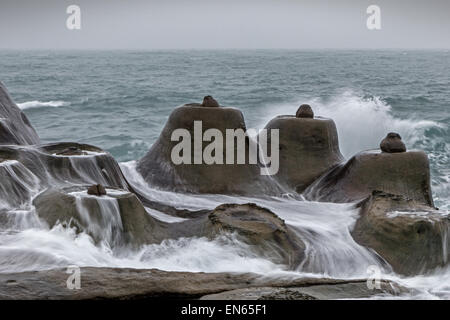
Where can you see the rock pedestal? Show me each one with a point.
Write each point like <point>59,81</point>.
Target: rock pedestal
<point>308,148</point>
<point>158,168</point>
<point>405,173</point>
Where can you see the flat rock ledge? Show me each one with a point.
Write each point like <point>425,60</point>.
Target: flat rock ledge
<point>126,284</point>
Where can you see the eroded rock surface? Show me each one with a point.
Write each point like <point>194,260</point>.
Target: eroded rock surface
<point>15,127</point>
<point>125,284</point>
<point>405,173</point>
<point>158,168</point>
<point>413,238</point>
<point>259,227</point>
<point>392,143</point>
<point>304,111</point>
<point>118,218</point>
<point>308,148</point>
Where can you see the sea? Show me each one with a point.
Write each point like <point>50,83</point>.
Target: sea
<point>120,101</point>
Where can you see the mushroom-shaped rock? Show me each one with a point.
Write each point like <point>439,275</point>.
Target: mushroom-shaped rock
<point>27,169</point>
<point>14,125</point>
<point>259,227</point>
<point>177,160</point>
<point>97,190</point>
<point>308,148</point>
<point>410,236</point>
<point>304,111</point>
<point>406,173</point>
<point>209,101</point>
<point>392,143</point>
<point>119,218</point>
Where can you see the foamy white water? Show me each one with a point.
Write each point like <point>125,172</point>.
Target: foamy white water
<point>40,104</point>
<point>361,122</point>
<point>324,227</point>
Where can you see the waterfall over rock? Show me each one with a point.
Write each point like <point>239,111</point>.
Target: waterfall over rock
<point>118,219</point>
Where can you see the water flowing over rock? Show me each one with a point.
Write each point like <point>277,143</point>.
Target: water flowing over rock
<point>97,190</point>
<point>14,125</point>
<point>26,170</point>
<point>159,170</point>
<point>413,238</point>
<point>118,219</point>
<point>406,173</point>
<point>259,227</point>
<point>308,148</point>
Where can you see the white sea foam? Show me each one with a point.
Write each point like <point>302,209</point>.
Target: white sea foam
<point>40,104</point>
<point>361,122</point>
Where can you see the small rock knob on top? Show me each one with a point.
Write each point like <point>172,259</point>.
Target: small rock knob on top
<point>392,143</point>
<point>304,111</point>
<point>209,101</point>
<point>97,190</point>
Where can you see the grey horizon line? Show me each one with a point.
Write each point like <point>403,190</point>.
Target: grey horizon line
<point>234,49</point>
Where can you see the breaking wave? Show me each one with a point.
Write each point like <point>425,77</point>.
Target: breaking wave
<point>39,104</point>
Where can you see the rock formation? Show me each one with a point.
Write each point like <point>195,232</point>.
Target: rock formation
<point>308,148</point>
<point>410,236</point>
<point>127,284</point>
<point>209,102</point>
<point>392,143</point>
<point>159,170</point>
<point>304,111</point>
<point>259,227</point>
<point>119,219</point>
<point>14,125</point>
<point>29,169</point>
<point>405,173</point>
<point>97,190</point>
<point>82,187</point>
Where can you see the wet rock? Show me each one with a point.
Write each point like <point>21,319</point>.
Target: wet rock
<point>304,111</point>
<point>97,190</point>
<point>72,151</point>
<point>260,228</point>
<point>308,148</point>
<point>40,166</point>
<point>410,236</point>
<point>158,168</point>
<point>350,290</point>
<point>392,143</point>
<point>15,128</point>
<point>126,284</point>
<point>209,101</point>
<point>405,173</point>
<point>120,218</point>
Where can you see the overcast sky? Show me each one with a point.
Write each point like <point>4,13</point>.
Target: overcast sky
<point>213,24</point>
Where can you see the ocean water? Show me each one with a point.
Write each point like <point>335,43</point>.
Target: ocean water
<point>120,100</point>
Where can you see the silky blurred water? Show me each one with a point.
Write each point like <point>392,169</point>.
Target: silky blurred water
<point>120,100</point>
